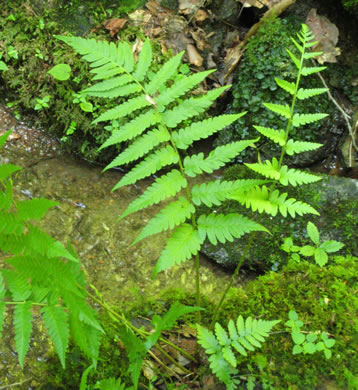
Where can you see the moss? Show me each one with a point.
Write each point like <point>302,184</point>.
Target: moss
<point>324,299</point>
<point>29,32</point>
<point>264,59</point>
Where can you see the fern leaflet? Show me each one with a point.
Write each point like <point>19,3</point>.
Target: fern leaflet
<point>151,164</point>
<point>204,129</point>
<point>279,109</point>
<point>181,246</point>
<point>296,177</point>
<point>224,228</point>
<point>164,187</point>
<point>286,85</point>
<point>277,136</point>
<point>303,119</point>
<point>56,321</point>
<point>170,216</point>
<point>33,208</point>
<point>295,147</point>
<point>140,147</point>
<point>308,93</point>
<point>215,192</point>
<point>217,158</point>
<point>23,329</point>
<point>144,61</point>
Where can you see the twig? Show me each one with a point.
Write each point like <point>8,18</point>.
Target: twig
<point>346,117</point>
<point>15,384</point>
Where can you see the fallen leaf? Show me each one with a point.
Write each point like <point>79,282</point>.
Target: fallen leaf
<point>193,55</point>
<point>326,33</point>
<point>259,3</point>
<point>114,25</point>
<point>200,15</point>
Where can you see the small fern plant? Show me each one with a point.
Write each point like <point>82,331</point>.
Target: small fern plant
<point>38,272</point>
<point>223,346</point>
<point>153,121</point>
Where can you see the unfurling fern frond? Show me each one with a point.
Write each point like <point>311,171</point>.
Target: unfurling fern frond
<point>245,335</point>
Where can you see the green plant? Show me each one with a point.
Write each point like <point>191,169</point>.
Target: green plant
<point>41,274</point>
<point>309,342</point>
<point>318,250</point>
<point>3,66</point>
<point>42,103</point>
<point>245,335</point>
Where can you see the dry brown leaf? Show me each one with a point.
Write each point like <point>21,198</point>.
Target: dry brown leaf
<point>232,58</point>
<point>193,55</point>
<point>199,37</point>
<point>200,15</point>
<point>114,25</point>
<point>326,33</point>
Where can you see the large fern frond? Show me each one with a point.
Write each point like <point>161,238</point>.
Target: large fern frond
<point>163,187</point>
<point>181,246</point>
<point>222,228</point>
<point>170,216</point>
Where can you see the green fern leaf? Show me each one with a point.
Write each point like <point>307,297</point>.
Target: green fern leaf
<point>308,93</point>
<point>263,200</point>
<point>108,85</point>
<point>34,208</point>
<point>286,85</point>
<point>221,335</point>
<point>294,59</point>
<point>181,246</point>
<point>215,192</point>
<point>191,107</point>
<point>7,170</point>
<point>17,284</point>
<point>217,158</point>
<point>86,337</point>
<point>203,129</point>
<point>140,147</point>
<point>312,54</point>
<point>207,340</point>
<point>144,61</point>
<point>4,137</point>
<point>279,109</point>
<point>23,329</point>
<point>125,90</point>
<point>168,70</point>
<point>151,164</point>
<point>268,169</point>
<point>170,216</point>
<point>303,119</point>
<point>10,224</point>
<point>295,147</point>
<point>277,136</point>
<point>164,187</point>
<point>56,321</point>
<point>124,109</point>
<point>222,228</point>
<point>296,177</point>
<point>306,71</point>
<point>132,128</point>
<point>224,372</point>
<point>6,197</point>
<point>180,87</point>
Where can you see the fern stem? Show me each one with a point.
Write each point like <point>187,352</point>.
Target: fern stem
<point>237,269</point>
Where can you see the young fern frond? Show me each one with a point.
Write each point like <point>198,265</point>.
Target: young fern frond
<point>222,347</point>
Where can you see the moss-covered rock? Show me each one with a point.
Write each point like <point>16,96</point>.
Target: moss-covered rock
<point>325,300</point>
<point>335,198</point>
<point>264,59</point>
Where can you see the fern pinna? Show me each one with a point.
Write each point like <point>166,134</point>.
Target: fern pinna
<point>152,119</point>
<point>36,275</point>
